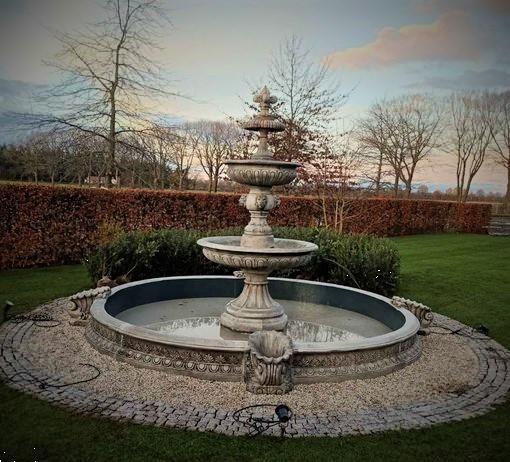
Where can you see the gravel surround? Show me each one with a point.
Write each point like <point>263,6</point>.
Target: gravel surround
<point>487,388</point>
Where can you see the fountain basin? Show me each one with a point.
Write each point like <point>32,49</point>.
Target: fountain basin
<point>172,324</point>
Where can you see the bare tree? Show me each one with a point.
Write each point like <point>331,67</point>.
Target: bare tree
<point>402,131</point>
<point>332,174</point>
<point>155,150</point>
<point>471,136</point>
<point>184,150</point>
<point>85,153</point>
<point>309,99</point>
<point>372,140</point>
<point>31,157</point>
<point>108,75</point>
<point>53,147</point>
<point>500,133</point>
<point>216,142</point>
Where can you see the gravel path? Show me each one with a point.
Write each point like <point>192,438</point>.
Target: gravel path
<point>447,366</point>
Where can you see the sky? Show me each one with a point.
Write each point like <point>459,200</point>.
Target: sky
<point>216,49</point>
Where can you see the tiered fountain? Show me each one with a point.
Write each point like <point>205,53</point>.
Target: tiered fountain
<point>257,253</point>
<point>223,328</point>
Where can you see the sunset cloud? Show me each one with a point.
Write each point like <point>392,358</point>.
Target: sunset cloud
<point>451,37</point>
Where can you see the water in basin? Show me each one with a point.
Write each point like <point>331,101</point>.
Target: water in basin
<point>199,318</point>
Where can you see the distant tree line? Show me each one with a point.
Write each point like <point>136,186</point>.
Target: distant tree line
<point>100,129</point>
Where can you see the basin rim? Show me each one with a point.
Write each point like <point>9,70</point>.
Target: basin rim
<point>99,314</point>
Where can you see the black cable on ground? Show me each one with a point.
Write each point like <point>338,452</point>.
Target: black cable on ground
<point>462,332</point>
<point>36,318</point>
<point>43,384</point>
<point>259,425</point>
<point>42,320</point>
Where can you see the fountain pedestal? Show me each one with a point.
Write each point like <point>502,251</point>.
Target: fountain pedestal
<point>254,306</point>
<point>257,252</point>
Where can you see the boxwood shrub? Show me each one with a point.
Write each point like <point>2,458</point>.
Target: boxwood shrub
<point>366,262</point>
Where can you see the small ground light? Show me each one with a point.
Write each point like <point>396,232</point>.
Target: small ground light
<point>7,307</point>
<point>482,329</point>
<point>260,424</point>
<point>283,413</point>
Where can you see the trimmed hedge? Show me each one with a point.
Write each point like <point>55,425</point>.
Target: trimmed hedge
<point>365,262</point>
<point>44,225</point>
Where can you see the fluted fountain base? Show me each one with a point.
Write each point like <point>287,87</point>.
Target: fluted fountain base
<point>240,324</point>
<point>254,309</point>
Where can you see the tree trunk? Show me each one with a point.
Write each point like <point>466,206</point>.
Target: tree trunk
<point>216,178</point>
<point>507,195</point>
<point>379,174</point>
<point>110,161</point>
<point>408,190</point>
<point>395,185</point>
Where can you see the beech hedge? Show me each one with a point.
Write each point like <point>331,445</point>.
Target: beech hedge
<point>365,262</point>
<point>44,225</point>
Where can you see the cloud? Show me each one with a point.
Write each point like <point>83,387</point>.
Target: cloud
<point>451,37</point>
<point>489,78</point>
<point>15,95</point>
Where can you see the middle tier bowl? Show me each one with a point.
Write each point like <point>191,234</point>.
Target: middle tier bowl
<point>254,309</point>
<point>286,253</point>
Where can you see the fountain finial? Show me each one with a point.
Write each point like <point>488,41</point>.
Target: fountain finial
<point>265,100</point>
<point>264,122</point>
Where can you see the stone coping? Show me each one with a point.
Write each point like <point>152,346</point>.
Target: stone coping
<point>263,163</point>
<point>489,389</point>
<point>281,246</point>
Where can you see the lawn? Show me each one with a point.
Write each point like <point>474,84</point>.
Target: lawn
<point>464,276</point>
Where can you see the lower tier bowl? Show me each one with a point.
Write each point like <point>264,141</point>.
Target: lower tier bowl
<point>172,324</point>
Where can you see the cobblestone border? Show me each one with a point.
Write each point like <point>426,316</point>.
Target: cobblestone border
<point>492,385</point>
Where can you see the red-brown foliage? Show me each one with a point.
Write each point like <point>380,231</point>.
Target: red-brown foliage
<point>42,225</point>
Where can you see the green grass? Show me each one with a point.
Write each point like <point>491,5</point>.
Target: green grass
<point>464,276</point>
<point>29,288</point>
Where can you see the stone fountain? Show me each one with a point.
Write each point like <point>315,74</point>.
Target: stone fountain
<point>257,253</point>
<point>193,325</point>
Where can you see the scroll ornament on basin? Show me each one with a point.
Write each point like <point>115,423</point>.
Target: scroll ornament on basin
<point>268,364</point>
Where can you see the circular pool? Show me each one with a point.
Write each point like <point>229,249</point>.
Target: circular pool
<point>338,332</point>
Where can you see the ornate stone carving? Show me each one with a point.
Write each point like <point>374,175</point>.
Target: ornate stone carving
<point>261,201</point>
<point>255,262</point>
<point>257,175</point>
<point>312,368</point>
<point>206,364</point>
<point>81,302</point>
<point>421,311</point>
<point>268,364</point>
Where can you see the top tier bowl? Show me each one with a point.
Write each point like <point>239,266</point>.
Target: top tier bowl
<point>261,173</point>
